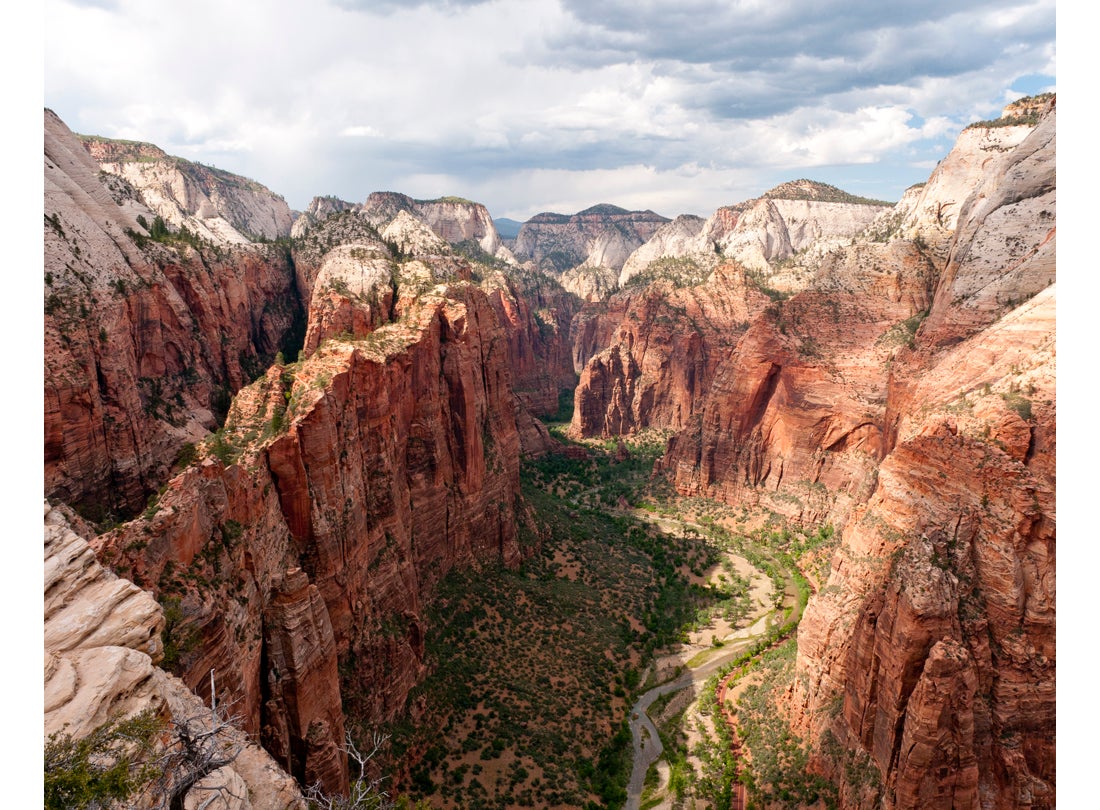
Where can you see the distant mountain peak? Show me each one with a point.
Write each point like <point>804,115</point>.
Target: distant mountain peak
<point>804,189</point>
<point>604,209</point>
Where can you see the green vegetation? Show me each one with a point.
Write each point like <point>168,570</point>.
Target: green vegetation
<point>779,551</point>
<point>472,250</point>
<point>1019,403</point>
<point>778,774</point>
<point>760,282</point>
<point>177,638</point>
<point>160,233</point>
<point>532,667</point>
<point>682,271</point>
<point>903,333</point>
<point>107,766</point>
<point>820,192</point>
<point>1031,110</point>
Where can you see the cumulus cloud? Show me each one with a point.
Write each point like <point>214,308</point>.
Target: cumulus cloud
<point>544,100</point>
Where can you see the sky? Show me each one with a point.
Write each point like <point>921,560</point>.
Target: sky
<point>556,105</point>
<point>548,105</point>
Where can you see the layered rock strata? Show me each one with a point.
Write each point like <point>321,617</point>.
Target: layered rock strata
<point>759,233</point>
<point>350,270</point>
<point>215,205</point>
<point>102,647</point>
<point>301,550</point>
<point>536,313</point>
<point>144,341</point>
<point>452,219</point>
<point>600,239</point>
<point>663,347</point>
<point>794,417</point>
<point>931,651</point>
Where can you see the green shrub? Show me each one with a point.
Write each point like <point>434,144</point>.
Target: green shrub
<point>106,766</point>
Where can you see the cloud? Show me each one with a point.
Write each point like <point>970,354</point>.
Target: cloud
<point>552,99</point>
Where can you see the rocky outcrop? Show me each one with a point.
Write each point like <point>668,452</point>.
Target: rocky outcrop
<point>673,239</point>
<point>319,209</point>
<point>602,236</point>
<point>1004,246</point>
<point>794,416</point>
<point>144,340</point>
<point>302,708</point>
<point>342,489</point>
<point>102,636</point>
<point>664,345</point>
<point>931,211</point>
<point>213,204</point>
<point>102,647</point>
<point>536,313</point>
<point>452,219</point>
<point>936,633</point>
<point>759,233</point>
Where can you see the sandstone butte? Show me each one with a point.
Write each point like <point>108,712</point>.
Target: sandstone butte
<point>889,370</point>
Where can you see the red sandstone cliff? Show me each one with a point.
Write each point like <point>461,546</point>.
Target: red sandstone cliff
<point>935,637</point>
<point>664,345</point>
<point>347,266</point>
<point>536,314</point>
<point>102,646</point>
<point>793,419</point>
<point>143,341</point>
<point>348,485</point>
<point>929,655</point>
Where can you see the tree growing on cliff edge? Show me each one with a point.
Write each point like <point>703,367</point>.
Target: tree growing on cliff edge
<point>106,766</point>
<point>142,761</point>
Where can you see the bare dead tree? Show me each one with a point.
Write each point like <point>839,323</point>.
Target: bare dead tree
<point>365,792</point>
<point>198,745</point>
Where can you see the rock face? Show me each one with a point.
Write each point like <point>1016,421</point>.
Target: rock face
<point>793,419</point>
<point>759,233</point>
<point>675,239</point>
<point>348,268</point>
<point>452,219</point>
<point>601,238</point>
<point>144,341</point>
<point>648,359</point>
<point>933,210</point>
<point>362,475</point>
<point>295,556</point>
<point>536,313</point>
<point>930,654</point>
<point>664,345</point>
<point>102,647</point>
<point>216,205</point>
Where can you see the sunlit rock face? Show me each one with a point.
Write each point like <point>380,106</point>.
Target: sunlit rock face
<point>358,478</point>
<point>587,250</point>
<point>935,636</point>
<point>144,340</point>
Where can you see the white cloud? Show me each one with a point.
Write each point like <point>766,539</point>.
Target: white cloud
<point>360,131</point>
<point>550,99</point>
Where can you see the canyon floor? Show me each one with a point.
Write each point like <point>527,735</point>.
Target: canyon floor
<point>537,672</point>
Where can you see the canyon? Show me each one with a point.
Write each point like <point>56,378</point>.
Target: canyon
<point>271,437</point>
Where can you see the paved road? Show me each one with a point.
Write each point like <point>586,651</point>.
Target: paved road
<point>647,744</point>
